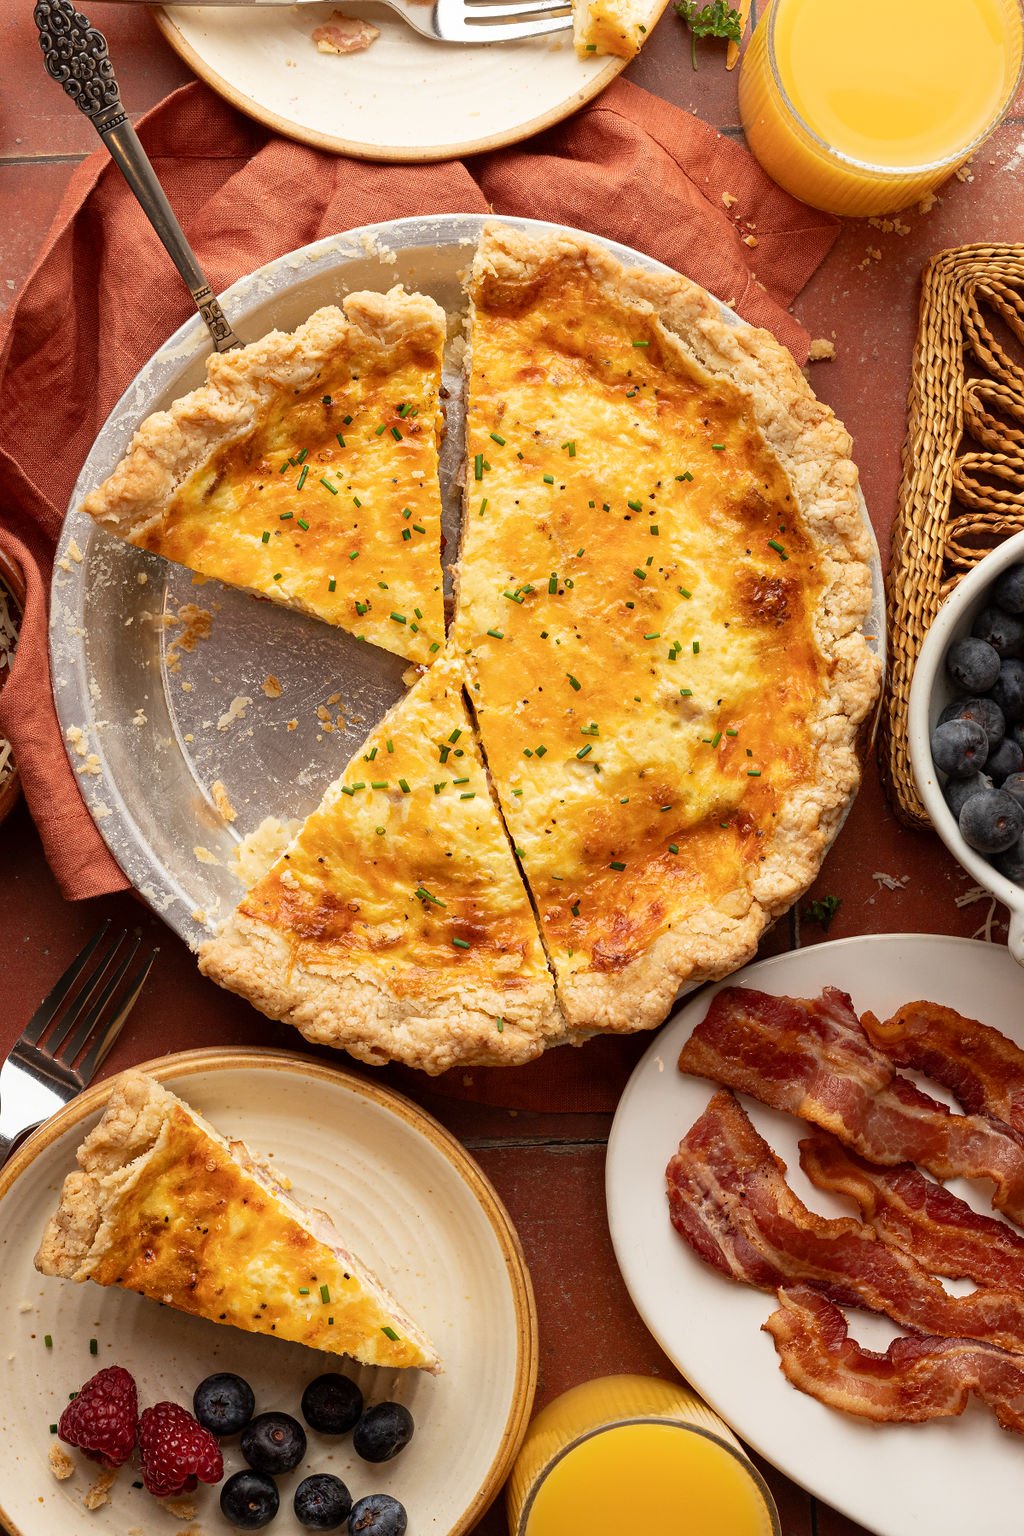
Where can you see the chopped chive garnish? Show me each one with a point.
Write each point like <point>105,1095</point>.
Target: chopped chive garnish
<point>286,515</point>
<point>639,573</point>
<point>654,530</point>
<point>616,865</point>
<point>399,618</point>
<point>48,1340</point>
<point>753,773</point>
<point>303,1290</point>
<point>435,645</point>
<point>573,682</point>
<point>655,634</point>
<point>461,943</point>
<point>527,751</point>
<point>356,501</point>
<point>389,744</point>
<point>277,575</point>
<point>635,506</point>
<point>438,787</point>
<point>417,529</point>
<point>685,475</point>
<point>553,582</point>
<point>302,478</point>
<point>641,343</point>
<point>325,1294</point>
<point>453,738</point>
<point>390,1333</point>
<point>673,847</point>
<point>396,434</point>
<point>463,780</point>
<point>346,421</point>
<point>718,447</point>
<point>347,789</point>
<point>584,750</point>
<point>303,525</point>
<point>470,794</point>
<point>478,466</point>
<point>570,448</point>
<point>266,535</point>
<point>774,544</point>
<point>425,895</point>
<point>716,738</point>
<point>496,634</point>
<point>406,534</point>
<point>483,507</point>
<point>341,440</point>
<point>686,693</point>
<point>732,733</point>
<point>417,612</point>
<point>284,466</point>
<point>403,785</point>
<point>549,479</point>
<point>520,853</point>
<point>444,754</point>
<point>696,647</point>
<point>683,592</point>
<point>303,455</point>
<point>500,1024</point>
<point>381,429</point>
<point>328,486</point>
<point>497,438</point>
<point>378,783</point>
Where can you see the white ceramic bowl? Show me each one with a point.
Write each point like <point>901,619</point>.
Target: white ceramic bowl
<point>930,691</point>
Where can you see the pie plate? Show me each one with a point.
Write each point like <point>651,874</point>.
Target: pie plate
<point>416,1208</point>
<point>153,726</point>
<point>932,1479</point>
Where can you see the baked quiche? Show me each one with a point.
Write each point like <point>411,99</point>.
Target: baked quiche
<point>305,470</point>
<point>164,1205</point>
<point>660,593</point>
<point>396,924</point>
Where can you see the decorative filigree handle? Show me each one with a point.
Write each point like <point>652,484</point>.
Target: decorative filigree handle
<point>75,54</point>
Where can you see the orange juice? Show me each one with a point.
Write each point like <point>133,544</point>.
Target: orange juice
<point>632,1443</point>
<point>863,106</point>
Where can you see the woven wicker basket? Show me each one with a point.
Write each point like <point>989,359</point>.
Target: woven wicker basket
<point>962,490</point>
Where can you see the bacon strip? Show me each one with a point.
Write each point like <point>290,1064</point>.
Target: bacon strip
<point>812,1058</point>
<point>982,1069</point>
<point>923,1218</point>
<point>915,1379</point>
<point>729,1199</point>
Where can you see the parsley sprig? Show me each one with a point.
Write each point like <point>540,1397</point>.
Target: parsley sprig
<point>822,911</point>
<point>715,19</point>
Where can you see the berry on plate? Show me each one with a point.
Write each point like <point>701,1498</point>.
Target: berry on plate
<point>382,1432</point>
<point>332,1404</point>
<point>250,1500</point>
<point>224,1403</point>
<point>274,1443</point>
<point>378,1515</point>
<point>322,1502</point>
<point>102,1419</point>
<point>177,1452</point>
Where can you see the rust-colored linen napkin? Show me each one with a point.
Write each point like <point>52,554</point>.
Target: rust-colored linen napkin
<point>103,296</point>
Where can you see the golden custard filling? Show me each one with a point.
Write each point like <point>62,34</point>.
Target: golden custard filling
<point>636,605</point>
<point>330,502</point>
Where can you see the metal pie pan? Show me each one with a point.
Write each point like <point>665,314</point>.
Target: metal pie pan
<point>160,733</point>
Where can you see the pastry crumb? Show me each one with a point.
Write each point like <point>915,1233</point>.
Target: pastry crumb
<point>345,34</point>
<point>25,1306</point>
<point>181,1509</point>
<point>751,240</point>
<point>204,855</point>
<point>821,351</point>
<point>75,552</point>
<point>61,1464</point>
<point>729,200</point>
<point>293,725</point>
<point>272,686</point>
<point>964,172</point>
<point>140,717</point>
<point>890,226</point>
<point>927,203</point>
<point>221,800</point>
<point>235,711</point>
<point>91,765</point>
<point>98,1493</point>
<point>196,624</point>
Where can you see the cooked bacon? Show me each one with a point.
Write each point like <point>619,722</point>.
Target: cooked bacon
<point>345,34</point>
<point>914,1213</point>
<point>915,1379</point>
<point>729,1199</point>
<point>982,1069</point>
<point>812,1057</point>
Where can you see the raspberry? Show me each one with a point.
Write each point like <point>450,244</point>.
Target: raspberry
<point>103,1418</point>
<point>176,1451</point>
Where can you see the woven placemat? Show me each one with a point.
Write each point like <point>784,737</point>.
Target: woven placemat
<point>962,490</point>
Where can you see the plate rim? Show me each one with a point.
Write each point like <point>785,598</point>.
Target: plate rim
<point>807,1481</point>
<point>226,1058</point>
<point>359,149</point>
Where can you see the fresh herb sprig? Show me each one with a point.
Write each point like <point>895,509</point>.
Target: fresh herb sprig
<point>715,19</point>
<point>822,911</point>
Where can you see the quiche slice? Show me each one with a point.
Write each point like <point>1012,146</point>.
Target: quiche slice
<point>396,924</point>
<point>660,597</point>
<point>305,470</point>
<point>164,1205</point>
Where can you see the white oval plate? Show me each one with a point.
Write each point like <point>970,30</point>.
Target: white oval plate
<point>405,99</point>
<point>931,1479</point>
<point>418,1211</point>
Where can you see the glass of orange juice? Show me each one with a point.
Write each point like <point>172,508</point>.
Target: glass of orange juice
<point>636,1443</point>
<point>864,106</point>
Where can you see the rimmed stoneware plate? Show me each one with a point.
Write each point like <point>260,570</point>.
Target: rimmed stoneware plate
<point>417,1209</point>
<point>932,1479</point>
<point>154,725</point>
<point>405,99</point>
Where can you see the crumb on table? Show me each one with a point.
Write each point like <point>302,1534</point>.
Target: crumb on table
<point>61,1464</point>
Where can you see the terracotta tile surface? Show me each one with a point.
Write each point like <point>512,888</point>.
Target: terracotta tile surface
<point>547,1168</point>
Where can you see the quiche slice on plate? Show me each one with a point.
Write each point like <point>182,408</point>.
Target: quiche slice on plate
<point>660,597</point>
<point>305,470</point>
<point>164,1205</point>
<point>396,924</point>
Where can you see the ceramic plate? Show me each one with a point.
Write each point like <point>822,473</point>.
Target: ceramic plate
<point>406,98</point>
<point>153,727</point>
<point>418,1211</point>
<point>897,1480</point>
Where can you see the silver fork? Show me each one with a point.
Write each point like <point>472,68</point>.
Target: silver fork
<point>90,1004</point>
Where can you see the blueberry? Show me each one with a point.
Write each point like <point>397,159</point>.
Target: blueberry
<point>382,1432</point>
<point>322,1502</point>
<point>1008,591</point>
<point>1004,759</point>
<point>1003,631</point>
<point>1011,861</point>
<point>991,821</point>
<point>274,1442</point>
<point>959,748</point>
<point>223,1403</point>
<point>959,791</point>
<point>973,664</point>
<point>378,1515</point>
<point>1014,786</point>
<point>1008,689</point>
<point>985,712</point>
<point>332,1404</point>
<point>249,1500</point>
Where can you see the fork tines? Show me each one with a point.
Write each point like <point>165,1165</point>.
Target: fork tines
<point>89,1003</point>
